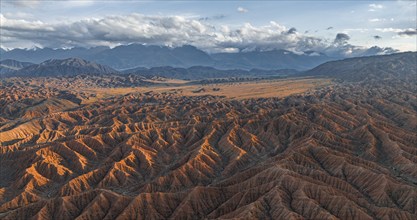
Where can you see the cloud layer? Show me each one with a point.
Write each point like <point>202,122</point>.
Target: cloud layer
<point>375,7</point>
<point>341,38</point>
<point>242,10</point>
<point>409,32</point>
<point>171,31</point>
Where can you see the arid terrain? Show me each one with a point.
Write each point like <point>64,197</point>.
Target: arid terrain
<point>113,147</point>
<point>234,90</point>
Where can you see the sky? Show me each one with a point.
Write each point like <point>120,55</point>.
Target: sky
<point>331,27</point>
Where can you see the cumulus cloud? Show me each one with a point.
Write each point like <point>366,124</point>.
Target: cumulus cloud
<point>292,31</point>
<point>348,50</point>
<point>374,7</point>
<point>110,31</point>
<point>169,31</point>
<point>409,32</point>
<point>242,10</point>
<point>342,48</point>
<point>378,51</point>
<point>160,30</point>
<point>385,30</point>
<point>376,20</point>
<point>341,38</point>
<point>401,32</point>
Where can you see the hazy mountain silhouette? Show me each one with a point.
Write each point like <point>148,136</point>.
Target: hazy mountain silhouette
<point>66,67</point>
<point>136,55</point>
<point>399,66</point>
<point>9,65</point>
<point>274,59</point>
<point>205,72</point>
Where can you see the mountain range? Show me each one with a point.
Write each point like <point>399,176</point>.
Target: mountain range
<point>205,72</point>
<point>394,66</point>
<point>77,66</point>
<point>384,66</point>
<point>9,66</point>
<point>136,55</point>
<point>55,67</point>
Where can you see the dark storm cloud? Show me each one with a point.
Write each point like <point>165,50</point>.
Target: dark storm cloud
<point>408,32</point>
<point>292,30</point>
<point>341,38</point>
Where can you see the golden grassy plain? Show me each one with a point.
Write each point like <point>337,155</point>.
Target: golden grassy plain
<point>233,90</point>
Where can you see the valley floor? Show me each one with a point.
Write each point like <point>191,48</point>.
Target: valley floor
<point>233,90</point>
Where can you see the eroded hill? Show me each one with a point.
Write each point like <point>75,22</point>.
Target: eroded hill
<point>345,151</point>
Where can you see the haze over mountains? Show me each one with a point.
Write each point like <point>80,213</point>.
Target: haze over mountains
<point>8,66</point>
<point>136,55</point>
<point>65,67</point>
<point>400,66</point>
<point>77,66</point>
<point>384,66</point>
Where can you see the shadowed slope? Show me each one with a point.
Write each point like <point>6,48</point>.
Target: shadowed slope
<point>388,67</point>
<point>66,67</point>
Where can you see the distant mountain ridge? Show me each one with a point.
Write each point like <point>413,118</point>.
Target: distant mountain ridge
<point>65,67</point>
<point>273,59</point>
<point>77,66</point>
<point>204,72</point>
<point>136,55</point>
<point>9,65</point>
<point>398,66</point>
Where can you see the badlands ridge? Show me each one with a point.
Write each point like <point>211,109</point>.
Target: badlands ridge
<point>346,150</point>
